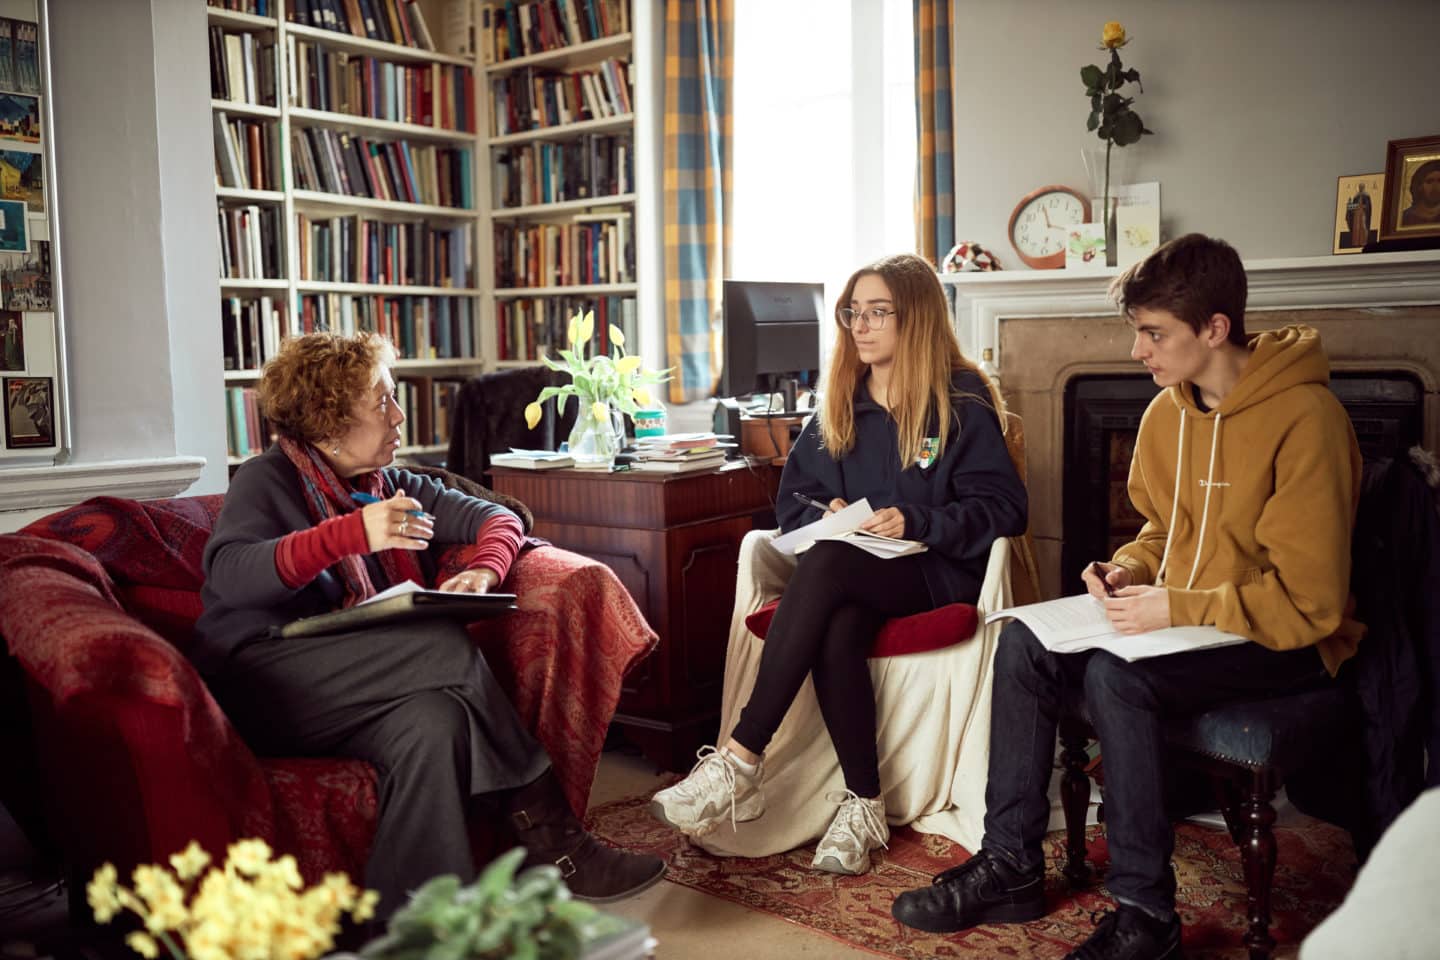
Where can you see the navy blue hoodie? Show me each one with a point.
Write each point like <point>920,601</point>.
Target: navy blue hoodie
<point>957,505</point>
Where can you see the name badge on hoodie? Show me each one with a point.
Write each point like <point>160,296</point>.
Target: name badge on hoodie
<point>929,450</point>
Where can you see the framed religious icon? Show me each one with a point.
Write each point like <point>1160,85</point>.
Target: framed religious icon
<point>1412,189</point>
<point>1357,211</point>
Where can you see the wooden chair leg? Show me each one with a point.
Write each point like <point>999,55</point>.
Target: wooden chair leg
<point>1257,851</point>
<point>1074,801</point>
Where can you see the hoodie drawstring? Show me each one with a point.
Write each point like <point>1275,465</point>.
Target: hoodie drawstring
<point>1175,502</point>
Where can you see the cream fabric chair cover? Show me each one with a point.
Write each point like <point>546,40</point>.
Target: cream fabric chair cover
<point>932,718</point>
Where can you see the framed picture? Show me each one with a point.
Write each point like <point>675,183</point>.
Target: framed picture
<point>14,227</point>
<point>1357,210</point>
<point>29,412</point>
<point>1412,189</point>
<point>12,340</point>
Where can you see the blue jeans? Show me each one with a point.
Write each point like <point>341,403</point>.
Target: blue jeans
<point>1128,704</point>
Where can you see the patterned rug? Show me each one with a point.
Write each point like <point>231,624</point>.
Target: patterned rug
<point>1314,870</point>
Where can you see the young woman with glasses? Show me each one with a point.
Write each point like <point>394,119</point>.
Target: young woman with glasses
<point>912,426</point>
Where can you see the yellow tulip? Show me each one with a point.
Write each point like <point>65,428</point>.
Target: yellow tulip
<point>617,336</point>
<point>1113,35</point>
<point>574,329</point>
<point>641,395</point>
<point>587,326</point>
<point>627,364</point>
<point>599,411</point>
<point>533,413</point>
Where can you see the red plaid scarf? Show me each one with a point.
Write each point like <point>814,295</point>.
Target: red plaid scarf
<point>326,495</point>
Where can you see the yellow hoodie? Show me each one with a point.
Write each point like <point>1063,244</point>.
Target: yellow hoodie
<point>1258,497</point>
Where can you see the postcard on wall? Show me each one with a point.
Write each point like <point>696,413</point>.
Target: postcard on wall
<point>29,412</point>
<point>12,341</point>
<point>1085,246</point>
<point>1137,233</point>
<point>25,279</point>
<point>19,118</point>
<point>14,227</point>
<point>23,44</point>
<point>22,177</point>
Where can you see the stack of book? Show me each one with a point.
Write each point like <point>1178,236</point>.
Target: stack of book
<point>679,452</point>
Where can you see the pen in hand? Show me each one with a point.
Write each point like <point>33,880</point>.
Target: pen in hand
<point>1099,571</point>
<point>811,502</point>
<point>361,497</point>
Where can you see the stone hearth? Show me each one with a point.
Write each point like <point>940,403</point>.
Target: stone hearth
<point>1376,313</point>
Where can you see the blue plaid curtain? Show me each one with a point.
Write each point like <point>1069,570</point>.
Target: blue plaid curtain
<point>697,161</point>
<point>935,126</point>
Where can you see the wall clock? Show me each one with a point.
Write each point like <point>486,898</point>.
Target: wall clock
<point>1037,226</point>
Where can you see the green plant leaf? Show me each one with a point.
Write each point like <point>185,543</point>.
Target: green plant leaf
<point>1128,129</point>
<point>1091,76</point>
<point>1093,121</point>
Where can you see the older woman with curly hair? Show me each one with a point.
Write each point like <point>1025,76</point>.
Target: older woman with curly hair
<point>416,700</point>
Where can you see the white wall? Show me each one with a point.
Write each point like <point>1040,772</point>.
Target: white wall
<point>1256,107</point>
<point>138,235</point>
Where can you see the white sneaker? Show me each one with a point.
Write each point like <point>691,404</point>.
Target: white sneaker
<point>714,786</point>
<point>859,827</point>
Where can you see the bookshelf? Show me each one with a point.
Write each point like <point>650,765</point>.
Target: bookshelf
<point>561,87</point>
<point>347,195</point>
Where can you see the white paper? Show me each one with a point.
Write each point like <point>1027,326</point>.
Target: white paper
<point>838,522</point>
<point>399,590</point>
<point>1073,624</point>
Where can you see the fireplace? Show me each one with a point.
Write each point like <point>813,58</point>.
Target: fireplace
<point>1057,344</point>
<point>1102,416</point>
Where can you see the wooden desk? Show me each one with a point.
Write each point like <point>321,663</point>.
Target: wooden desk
<point>674,541</point>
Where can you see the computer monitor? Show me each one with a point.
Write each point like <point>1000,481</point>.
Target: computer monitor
<point>772,335</point>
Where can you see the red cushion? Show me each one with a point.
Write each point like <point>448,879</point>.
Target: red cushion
<point>169,612</point>
<point>917,633</point>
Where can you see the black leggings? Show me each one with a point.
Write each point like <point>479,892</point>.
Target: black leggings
<point>828,616</point>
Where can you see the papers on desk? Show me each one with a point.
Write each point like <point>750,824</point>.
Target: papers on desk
<point>844,525</point>
<point>1073,624</point>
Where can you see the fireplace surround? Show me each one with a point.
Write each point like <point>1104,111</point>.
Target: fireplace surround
<point>1047,332</point>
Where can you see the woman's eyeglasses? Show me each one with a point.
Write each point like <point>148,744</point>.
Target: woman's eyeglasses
<point>874,317</point>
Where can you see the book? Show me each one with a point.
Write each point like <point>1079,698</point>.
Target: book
<point>1073,624</point>
<point>688,465</point>
<point>844,525</point>
<point>403,602</point>
<point>532,459</point>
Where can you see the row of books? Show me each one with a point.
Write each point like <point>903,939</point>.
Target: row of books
<point>250,242</point>
<point>597,248</point>
<point>526,327</point>
<point>258,8</point>
<point>247,154</point>
<point>393,21</point>
<point>355,249</point>
<point>19,56</point>
<point>509,29</point>
<point>592,166</point>
<point>427,402</point>
<point>250,330</point>
<point>429,94</point>
<point>532,99</point>
<point>246,431</point>
<point>421,328</point>
<point>242,67</point>
<point>336,161</point>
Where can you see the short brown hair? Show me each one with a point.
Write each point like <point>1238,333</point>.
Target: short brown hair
<point>1193,277</point>
<point>308,387</point>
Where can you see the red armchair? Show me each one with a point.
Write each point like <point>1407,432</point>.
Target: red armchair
<point>97,603</point>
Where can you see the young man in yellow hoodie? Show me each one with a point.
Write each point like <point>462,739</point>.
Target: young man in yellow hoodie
<point>1247,473</point>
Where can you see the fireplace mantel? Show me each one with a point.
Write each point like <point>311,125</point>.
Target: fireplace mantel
<point>983,300</point>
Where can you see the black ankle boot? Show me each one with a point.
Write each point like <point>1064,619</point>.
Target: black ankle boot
<point>541,819</point>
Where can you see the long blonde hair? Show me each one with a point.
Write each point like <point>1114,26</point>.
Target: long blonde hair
<point>926,356</point>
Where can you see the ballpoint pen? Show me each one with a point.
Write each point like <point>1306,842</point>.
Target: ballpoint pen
<point>362,497</point>
<point>1096,569</point>
<point>810,501</point>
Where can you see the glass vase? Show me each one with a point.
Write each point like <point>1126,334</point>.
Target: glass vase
<point>595,442</point>
<point>1105,188</point>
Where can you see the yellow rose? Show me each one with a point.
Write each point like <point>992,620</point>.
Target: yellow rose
<point>599,411</point>
<point>617,336</point>
<point>627,364</point>
<point>533,413</point>
<point>1113,35</point>
<point>189,862</point>
<point>143,944</point>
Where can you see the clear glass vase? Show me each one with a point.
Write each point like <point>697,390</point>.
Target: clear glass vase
<point>595,442</point>
<point>1106,188</point>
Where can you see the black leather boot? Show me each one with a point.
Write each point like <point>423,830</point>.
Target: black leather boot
<point>541,819</point>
